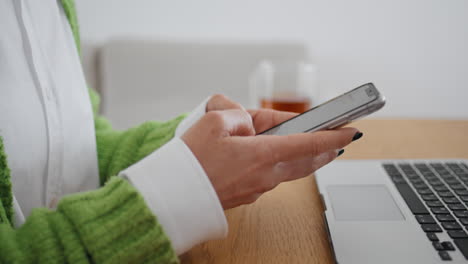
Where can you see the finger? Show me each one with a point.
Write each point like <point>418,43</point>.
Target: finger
<point>296,146</point>
<point>300,168</point>
<point>221,102</point>
<point>264,119</point>
<point>230,123</point>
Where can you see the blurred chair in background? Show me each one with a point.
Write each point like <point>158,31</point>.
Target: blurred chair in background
<point>154,80</point>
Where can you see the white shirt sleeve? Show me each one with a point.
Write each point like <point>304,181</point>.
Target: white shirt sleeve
<point>192,118</point>
<point>179,193</point>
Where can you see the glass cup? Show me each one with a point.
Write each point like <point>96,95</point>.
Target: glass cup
<point>284,85</point>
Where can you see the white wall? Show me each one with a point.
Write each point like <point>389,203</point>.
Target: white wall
<point>415,51</point>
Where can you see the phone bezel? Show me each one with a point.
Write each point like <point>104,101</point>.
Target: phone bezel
<point>377,103</point>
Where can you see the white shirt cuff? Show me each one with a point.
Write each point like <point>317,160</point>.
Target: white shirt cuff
<point>179,193</point>
<point>192,118</point>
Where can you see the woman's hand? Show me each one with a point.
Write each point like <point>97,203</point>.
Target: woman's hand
<point>264,119</point>
<point>242,166</point>
<point>221,102</point>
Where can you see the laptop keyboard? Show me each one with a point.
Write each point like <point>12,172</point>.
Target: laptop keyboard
<point>437,194</point>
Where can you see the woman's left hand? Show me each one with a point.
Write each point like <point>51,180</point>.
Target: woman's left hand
<point>219,102</point>
<point>262,118</point>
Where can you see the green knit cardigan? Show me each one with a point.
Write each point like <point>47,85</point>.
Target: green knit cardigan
<point>109,225</point>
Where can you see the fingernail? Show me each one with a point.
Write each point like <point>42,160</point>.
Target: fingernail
<point>357,136</point>
<point>340,152</point>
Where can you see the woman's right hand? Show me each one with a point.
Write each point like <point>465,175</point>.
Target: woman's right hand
<point>242,166</point>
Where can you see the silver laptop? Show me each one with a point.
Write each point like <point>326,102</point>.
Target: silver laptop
<point>396,211</point>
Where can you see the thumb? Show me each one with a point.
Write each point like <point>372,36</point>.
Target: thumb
<point>232,122</point>
<point>221,102</point>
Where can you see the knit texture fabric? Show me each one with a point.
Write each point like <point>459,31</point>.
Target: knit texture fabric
<point>6,197</point>
<point>108,225</point>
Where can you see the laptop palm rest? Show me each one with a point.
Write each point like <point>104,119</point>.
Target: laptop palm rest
<point>363,203</point>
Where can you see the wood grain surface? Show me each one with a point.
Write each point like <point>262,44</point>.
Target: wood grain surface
<point>286,226</point>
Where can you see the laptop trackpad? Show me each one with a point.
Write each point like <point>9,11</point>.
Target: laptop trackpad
<point>363,202</point>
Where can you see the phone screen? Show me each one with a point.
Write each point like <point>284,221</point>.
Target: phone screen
<point>333,109</point>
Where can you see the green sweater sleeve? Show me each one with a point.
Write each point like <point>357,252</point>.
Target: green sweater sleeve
<point>108,225</point>
<point>118,150</point>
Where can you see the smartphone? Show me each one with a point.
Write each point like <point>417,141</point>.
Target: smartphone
<point>339,111</point>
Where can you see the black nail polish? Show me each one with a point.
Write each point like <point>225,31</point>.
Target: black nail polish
<point>357,136</point>
<point>340,152</point>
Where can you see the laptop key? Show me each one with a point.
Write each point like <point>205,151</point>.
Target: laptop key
<point>445,217</point>
<point>420,186</point>
<point>394,173</point>
<point>434,204</point>
<point>446,194</point>
<point>451,226</point>
<point>424,191</point>
<point>444,255</point>
<point>457,187</point>
<point>411,199</point>
<point>436,183</point>
<point>432,178</point>
<point>464,221</point>
<point>441,188</point>
<point>437,245</point>
<point>433,228</point>
<point>398,180</point>
<point>456,207</point>
<point>425,219</point>
<point>444,173</point>
<point>388,166</point>
<point>439,210</point>
<point>450,179</point>
<point>456,168</point>
<point>452,165</point>
<point>464,165</point>
<point>425,171</point>
<point>457,234</point>
<point>417,180</point>
<point>451,200</point>
<point>461,213</point>
<point>448,245</point>
<point>429,197</point>
<point>462,245</point>
<point>432,236</point>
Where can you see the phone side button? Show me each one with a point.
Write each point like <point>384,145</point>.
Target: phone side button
<point>351,118</point>
<point>359,114</point>
<point>338,124</point>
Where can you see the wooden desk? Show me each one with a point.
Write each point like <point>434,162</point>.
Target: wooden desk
<point>285,225</point>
